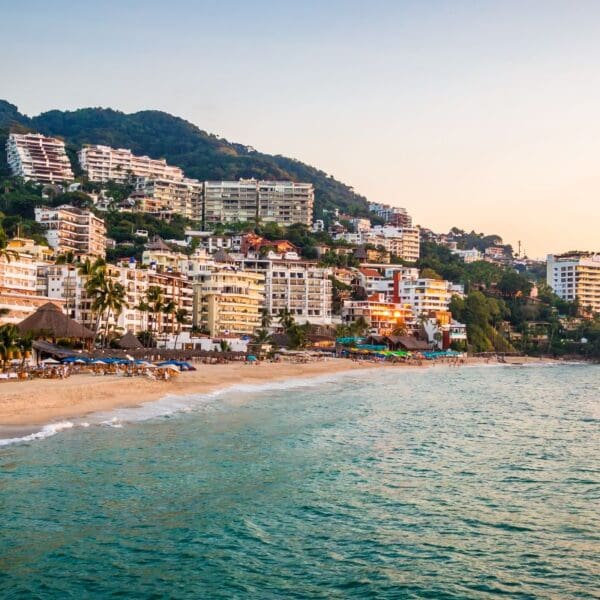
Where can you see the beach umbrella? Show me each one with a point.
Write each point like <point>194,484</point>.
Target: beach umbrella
<point>50,361</point>
<point>97,361</point>
<point>251,358</point>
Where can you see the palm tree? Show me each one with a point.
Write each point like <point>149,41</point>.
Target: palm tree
<point>114,301</point>
<point>25,345</point>
<point>95,275</point>
<point>286,319</point>
<point>9,343</point>
<point>68,259</point>
<point>181,316</point>
<point>156,303</point>
<point>224,346</point>
<point>144,307</point>
<point>95,288</point>
<point>265,318</point>
<point>170,309</point>
<point>261,336</point>
<point>359,326</point>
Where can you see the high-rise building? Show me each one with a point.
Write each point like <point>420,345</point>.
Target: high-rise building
<point>281,202</point>
<point>425,296</point>
<point>70,229</point>
<point>38,158</point>
<point>228,300</point>
<point>230,201</point>
<point>285,202</point>
<point>169,196</point>
<point>401,242</point>
<point>19,296</point>
<point>103,163</point>
<point>67,284</point>
<point>299,286</point>
<point>576,276</point>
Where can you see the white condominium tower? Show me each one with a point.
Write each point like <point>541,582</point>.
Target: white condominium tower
<point>230,201</point>
<point>103,163</point>
<point>576,276</point>
<point>281,202</point>
<point>38,158</point>
<point>70,229</point>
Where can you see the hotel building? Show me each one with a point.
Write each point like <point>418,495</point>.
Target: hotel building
<point>281,202</point>
<point>300,286</point>
<point>66,284</point>
<point>576,276</point>
<point>381,315</point>
<point>103,163</point>
<point>70,229</point>
<point>285,202</point>
<point>18,279</point>
<point>425,296</point>
<point>229,301</point>
<point>35,157</point>
<point>403,242</point>
<point>169,196</point>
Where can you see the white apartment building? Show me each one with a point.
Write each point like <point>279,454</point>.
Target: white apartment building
<point>169,196</point>
<point>65,284</point>
<point>18,279</point>
<point>426,296</point>
<point>230,201</point>
<point>404,242</point>
<point>285,202</point>
<point>298,285</point>
<point>70,229</point>
<point>393,215</point>
<point>382,278</point>
<point>103,163</point>
<point>468,256</point>
<point>576,276</point>
<point>38,158</point>
<point>281,202</point>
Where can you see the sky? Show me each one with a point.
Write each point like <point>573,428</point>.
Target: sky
<point>481,115</point>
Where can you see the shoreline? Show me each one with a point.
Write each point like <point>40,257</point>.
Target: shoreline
<point>27,406</point>
<point>30,404</point>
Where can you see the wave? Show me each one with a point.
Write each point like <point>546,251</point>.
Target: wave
<point>45,432</point>
<point>172,404</point>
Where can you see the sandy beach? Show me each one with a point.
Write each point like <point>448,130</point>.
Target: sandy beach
<point>41,401</point>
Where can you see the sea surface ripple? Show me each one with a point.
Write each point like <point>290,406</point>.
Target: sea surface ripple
<point>441,483</point>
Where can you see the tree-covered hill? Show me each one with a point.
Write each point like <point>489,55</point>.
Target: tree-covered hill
<point>161,135</point>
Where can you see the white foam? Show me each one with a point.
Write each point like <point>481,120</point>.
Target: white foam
<point>45,432</point>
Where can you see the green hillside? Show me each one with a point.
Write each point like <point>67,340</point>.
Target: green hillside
<point>200,154</point>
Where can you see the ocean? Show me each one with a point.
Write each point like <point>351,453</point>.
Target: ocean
<point>473,482</point>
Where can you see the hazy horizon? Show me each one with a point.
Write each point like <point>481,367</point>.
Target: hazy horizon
<point>479,116</point>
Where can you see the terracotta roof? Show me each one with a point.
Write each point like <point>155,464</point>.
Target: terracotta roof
<point>369,272</point>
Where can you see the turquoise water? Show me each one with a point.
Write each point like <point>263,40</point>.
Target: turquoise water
<point>446,483</point>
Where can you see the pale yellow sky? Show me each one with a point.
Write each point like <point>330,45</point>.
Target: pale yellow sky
<point>481,115</point>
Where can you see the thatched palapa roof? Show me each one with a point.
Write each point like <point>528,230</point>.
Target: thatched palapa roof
<point>129,342</point>
<point>49,320</point>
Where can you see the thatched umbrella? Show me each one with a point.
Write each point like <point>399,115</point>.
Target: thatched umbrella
<point>129,342</point>
<point>49,321</point>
